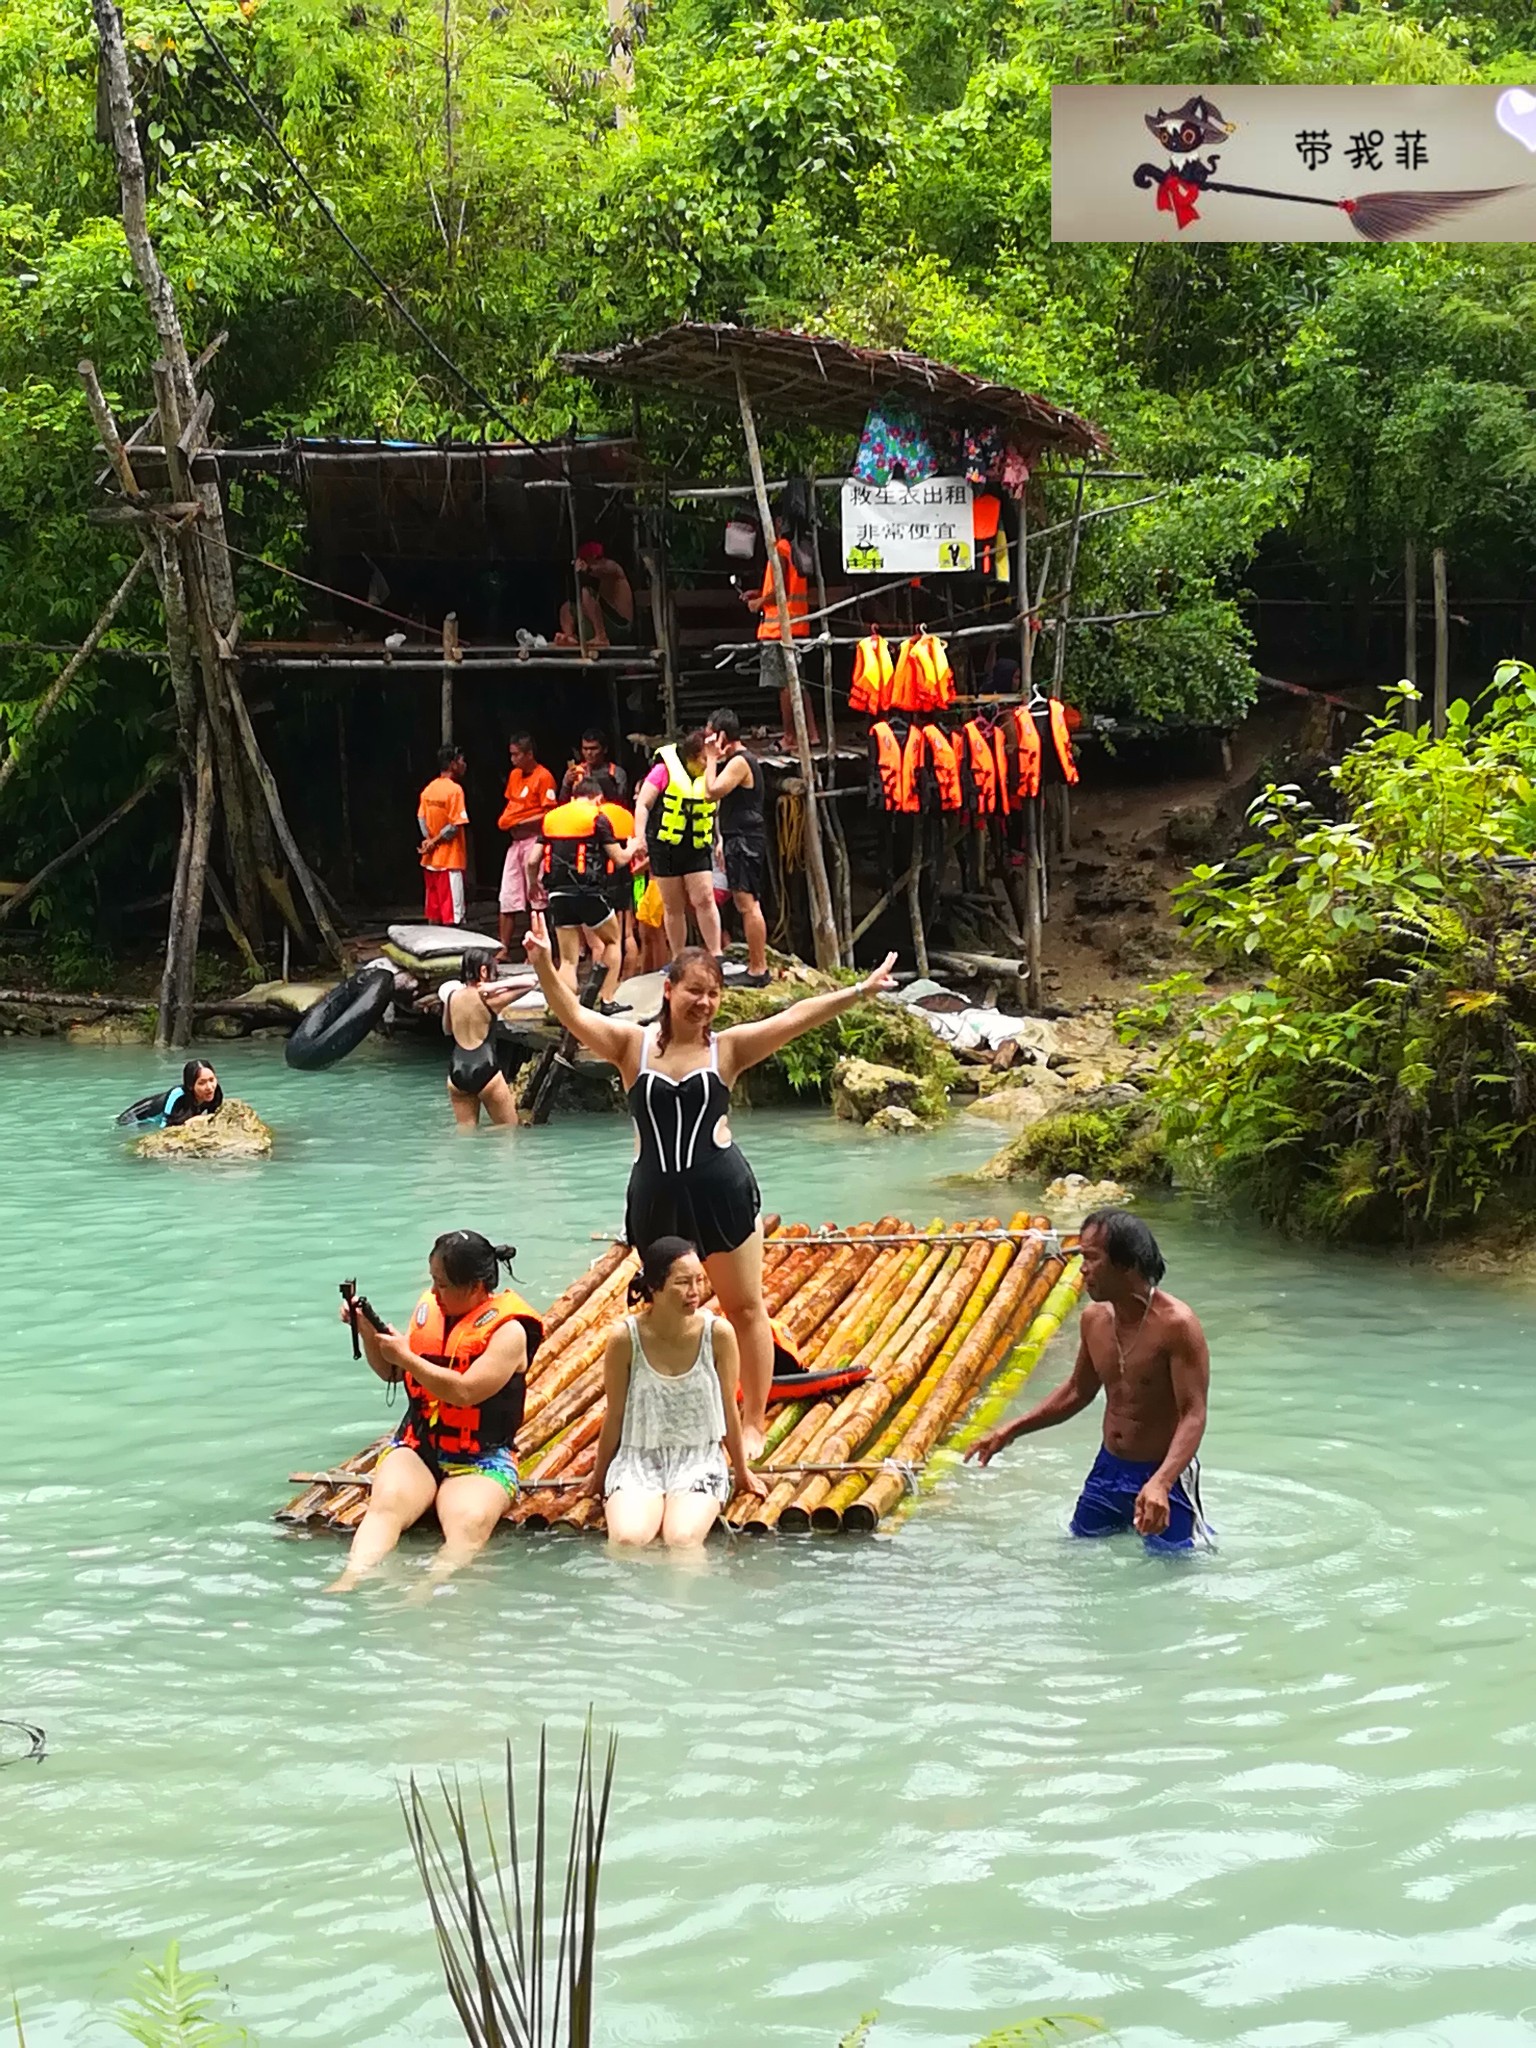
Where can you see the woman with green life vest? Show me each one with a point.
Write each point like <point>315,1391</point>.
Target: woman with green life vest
<point>675,821</point>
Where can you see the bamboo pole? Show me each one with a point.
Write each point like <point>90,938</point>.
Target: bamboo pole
<point>186,916</point>
<point>269,790</point>
<point>1026,678</point>
<point>828,1516</point>
<point>451,658</point>
<point>823,928</point>
<point>11,904</point>
<point>1013,1307</point>
<point>1022,1360</point>
<point>48,702</point>
<point>828,712</point>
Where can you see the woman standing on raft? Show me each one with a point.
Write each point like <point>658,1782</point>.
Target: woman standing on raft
<point>689,1180</point>
<point>670,1419</point>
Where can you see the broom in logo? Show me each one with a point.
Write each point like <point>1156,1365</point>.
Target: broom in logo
<point>1377,216</point>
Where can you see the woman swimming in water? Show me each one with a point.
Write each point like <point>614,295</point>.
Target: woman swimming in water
<point>198,1094</point>
<point>689,1180</point>
<point>472,1019</point>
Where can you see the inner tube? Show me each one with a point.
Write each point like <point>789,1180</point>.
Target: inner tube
<point>149,1109</point>
<point>341,1020</point>
<point>810,1386</point>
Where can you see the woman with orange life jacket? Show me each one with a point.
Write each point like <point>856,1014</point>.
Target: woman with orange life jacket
<point>464,1362</point>
<point>581,851</point>
<point>689,1179</point>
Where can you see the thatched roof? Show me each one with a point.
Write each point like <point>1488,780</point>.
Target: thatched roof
<point>830,383</point>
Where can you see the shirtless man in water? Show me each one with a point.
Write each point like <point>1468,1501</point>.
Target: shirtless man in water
<point>1148,1352</point>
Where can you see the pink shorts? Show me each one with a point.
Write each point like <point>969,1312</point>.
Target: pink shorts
<point>522,886</point>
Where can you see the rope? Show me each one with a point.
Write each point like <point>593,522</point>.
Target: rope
<point>788,853</point>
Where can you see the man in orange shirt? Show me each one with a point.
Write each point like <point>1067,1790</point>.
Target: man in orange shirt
<point>443,820</point>
<point>530,793</point>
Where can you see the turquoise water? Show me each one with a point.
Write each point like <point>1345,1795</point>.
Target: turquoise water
<point>1282,1798</point>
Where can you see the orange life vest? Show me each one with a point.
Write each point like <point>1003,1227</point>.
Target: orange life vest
<point>924,680</point>
<point>433,1428</point>
<point>873,670</point>
<point>978,770</point>
<point>1028,781</point>
<point>570,837</point>
<point>1006,796</point>
<point>794,590</point>
<point>944,754</point>
<point>896,793</point>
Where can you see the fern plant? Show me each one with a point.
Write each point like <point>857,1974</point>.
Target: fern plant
<point>169,2008</point>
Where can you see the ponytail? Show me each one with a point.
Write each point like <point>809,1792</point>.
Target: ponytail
<point>656,1262</point>
<point>468,1257</point>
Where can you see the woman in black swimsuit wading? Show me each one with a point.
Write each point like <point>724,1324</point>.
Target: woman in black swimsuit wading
<point>689,1180</point>
<point>472,1019</point>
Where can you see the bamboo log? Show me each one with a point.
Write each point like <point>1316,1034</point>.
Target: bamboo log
<point>565,1305</point>
<point>1014,1307</point>
<point>826,1511</point>
<point>49,700</point>
<point>936,1339</point>
<point>1022,1360</point>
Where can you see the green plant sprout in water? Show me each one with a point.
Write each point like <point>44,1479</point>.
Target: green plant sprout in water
<point>168,2007</point>
<point>1049,2027</point>
<point>1380,1082</point>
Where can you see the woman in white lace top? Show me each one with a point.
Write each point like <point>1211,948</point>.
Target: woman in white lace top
<point>671,1437</point>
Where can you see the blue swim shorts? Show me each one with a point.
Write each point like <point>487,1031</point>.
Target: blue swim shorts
<point>1107,1504</point>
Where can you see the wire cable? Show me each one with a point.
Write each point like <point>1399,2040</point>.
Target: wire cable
<point>485,403</point>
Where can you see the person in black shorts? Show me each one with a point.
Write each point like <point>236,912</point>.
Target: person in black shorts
<point>581,851</point>
<point>734,779</point>
<point>689,1178</point>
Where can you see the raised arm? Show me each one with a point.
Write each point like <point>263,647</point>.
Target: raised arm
<point>720,781</point>
<point>1079,1391</point>
<point>611,1040</point>
<point>747,1045</point>
<point>616,1364</point>
<point>1189,1367</point>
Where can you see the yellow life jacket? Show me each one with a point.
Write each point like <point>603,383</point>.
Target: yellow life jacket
<point>684,816</point>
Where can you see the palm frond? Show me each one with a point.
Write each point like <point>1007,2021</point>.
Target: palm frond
<point>490,1919</point>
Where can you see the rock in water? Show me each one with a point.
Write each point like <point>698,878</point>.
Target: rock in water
<point>894,1118</point>
<point>1076,1193</point>
<point>860,1088</point>
<point>234,1131</point>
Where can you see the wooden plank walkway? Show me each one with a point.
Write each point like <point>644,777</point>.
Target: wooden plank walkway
<point>942,1316</point>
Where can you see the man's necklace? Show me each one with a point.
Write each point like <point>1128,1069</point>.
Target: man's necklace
<point>1115,1326</point>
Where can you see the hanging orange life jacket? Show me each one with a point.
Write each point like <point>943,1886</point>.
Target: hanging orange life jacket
<point>1005,769</point>
<point>1061,735</point>
<point>890,767</point>
<point>978,772</point>
<point>946,768</point>
<point>571,842</point>
<point>873,669</point>
<point>1030,761</point>
<point>438,1431</point>
<point>924,680</point>
<point>913,758</point>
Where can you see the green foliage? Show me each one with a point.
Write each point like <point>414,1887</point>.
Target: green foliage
<point>1121,1141</point>
<point>881,171</point>
<point>884,1033</point>
<point>1380,1081</point>
<point>169,2008</point>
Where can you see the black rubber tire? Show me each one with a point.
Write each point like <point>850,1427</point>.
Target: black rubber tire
<point>340,1021</point>
<point>146,1110</point>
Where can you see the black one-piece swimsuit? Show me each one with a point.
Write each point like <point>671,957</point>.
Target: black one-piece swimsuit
<point>685,1183</point>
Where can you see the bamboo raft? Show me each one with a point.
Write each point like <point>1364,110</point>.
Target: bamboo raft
<point>951,1320</point>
